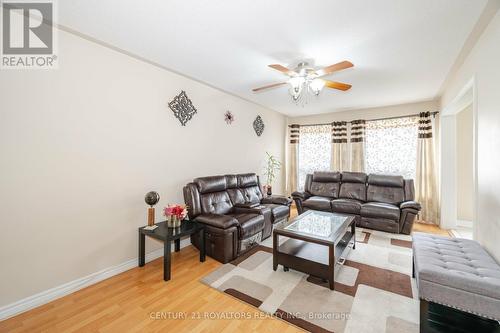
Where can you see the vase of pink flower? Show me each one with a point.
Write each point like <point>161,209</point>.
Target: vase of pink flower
<point>175,214</point>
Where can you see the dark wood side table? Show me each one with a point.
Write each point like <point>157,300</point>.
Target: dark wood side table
<point>167,235</point>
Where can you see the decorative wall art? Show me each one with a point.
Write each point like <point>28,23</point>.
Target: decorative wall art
<point>258,126</point>
<point>228,117</point>
<point>182,107</point>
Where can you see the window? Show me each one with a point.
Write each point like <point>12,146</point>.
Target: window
<point>391,146</point>
<point>314,151</point>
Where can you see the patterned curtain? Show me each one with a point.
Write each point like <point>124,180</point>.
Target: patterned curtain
<point>293,155</point>
<point>391,146</point>
<point>358,145</point>
<point>314,150</point>
<point>425,180</point>
<point>339,146</point>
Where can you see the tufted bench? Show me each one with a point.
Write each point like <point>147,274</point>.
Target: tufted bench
<point>459,274</point>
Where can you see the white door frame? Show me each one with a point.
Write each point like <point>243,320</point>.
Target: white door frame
<point>448,177</point>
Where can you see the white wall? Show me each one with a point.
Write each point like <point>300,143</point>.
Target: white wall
<point>464,149</point>
<point>367,114</point>
<point>81,145</point>
<point>482,65</point>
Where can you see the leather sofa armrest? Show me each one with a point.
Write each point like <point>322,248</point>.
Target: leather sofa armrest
<point>300,195</point>
<point>261,210</point>
<point>410,204</point>
<point>217,220</point>
<point>246,205</point>
<point>277,199</point>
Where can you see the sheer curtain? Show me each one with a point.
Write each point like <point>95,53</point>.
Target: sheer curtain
<point>391,146</point>
<point>314,151</point>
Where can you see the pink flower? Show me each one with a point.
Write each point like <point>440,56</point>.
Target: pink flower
<point>180,211</point>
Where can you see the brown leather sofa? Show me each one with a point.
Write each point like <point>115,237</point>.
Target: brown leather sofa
<point>377,201</point>
<point>235,213</point>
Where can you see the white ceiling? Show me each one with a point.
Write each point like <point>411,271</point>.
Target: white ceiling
<point>401,49</point>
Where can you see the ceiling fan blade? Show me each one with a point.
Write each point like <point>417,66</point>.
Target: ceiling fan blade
<point>333,68</point>
<point>337,85</point>
<point>282,69</point>
<point>269,86</point>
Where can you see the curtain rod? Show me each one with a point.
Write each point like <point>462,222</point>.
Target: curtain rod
<point>433,113</point>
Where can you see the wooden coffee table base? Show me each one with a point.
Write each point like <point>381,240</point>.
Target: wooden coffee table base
<point>311,256</point>
<point>317,260</point>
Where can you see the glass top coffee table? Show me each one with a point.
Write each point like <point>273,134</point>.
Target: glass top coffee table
<point>318,243</point>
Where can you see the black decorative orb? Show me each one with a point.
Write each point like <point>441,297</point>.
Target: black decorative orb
<point>152,198</point>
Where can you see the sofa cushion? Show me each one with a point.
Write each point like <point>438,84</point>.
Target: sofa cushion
<point>251,194</point>
<point>231,181</point>
<point>211,184</point>
<point>391,195</point>
<point>354,177</point>
<point>318,203</point>
<point>217,220</point>
<point>325,184</point>
<point>353,191</point>
<point>330,190</point>
<point>326,177</point>
<point>247,179</point>
<point>380,210</point>
<point>236,196</point>
<point>278,211</point>
<point>353,186</point>
<point>386,180</point>
<point>385,188</point>
<point>248,224</point>
<point>215,203</point>
<point>348,206</point>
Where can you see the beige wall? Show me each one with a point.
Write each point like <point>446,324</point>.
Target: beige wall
<point>482,66</point>
<point>464,153</point>
<point>81,145</point>
<point>367,114</point>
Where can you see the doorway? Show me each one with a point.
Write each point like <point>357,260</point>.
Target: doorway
<point>464,178</point>
<point>458,164</point>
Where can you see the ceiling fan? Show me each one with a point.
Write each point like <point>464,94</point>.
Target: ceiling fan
<point>306,78</point>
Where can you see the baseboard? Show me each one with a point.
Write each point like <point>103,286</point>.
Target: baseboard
<point>49,295</point>
<point>464,223</point>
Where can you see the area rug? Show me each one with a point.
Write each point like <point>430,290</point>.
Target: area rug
<point>374,291</point>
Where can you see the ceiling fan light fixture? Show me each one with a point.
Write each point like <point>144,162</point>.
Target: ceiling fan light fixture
<point>296,83</point>
<point>316,86</point>
<point>305,81</point>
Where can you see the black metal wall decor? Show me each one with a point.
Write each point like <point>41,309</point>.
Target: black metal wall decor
<point>182,107</point>
<point>229,117</point>
<point>258,126</point>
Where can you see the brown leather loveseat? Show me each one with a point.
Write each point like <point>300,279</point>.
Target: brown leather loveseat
<point>235,213</point>
<point>379,202</point>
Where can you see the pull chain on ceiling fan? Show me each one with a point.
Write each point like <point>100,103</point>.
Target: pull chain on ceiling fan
<point>305,80</point>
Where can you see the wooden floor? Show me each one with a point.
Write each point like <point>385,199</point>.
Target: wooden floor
<point>139,301</point>
<point>430,229</point>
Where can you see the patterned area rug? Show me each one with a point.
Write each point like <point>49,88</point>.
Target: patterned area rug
<point>374,291</point>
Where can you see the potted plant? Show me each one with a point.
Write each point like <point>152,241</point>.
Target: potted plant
<point>270,171</point>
